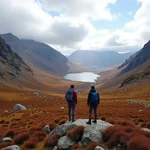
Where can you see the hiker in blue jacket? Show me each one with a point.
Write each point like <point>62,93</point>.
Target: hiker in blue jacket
<point>93,101</point>
<point>71,98</point>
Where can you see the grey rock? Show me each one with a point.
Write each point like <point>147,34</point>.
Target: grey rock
<point>12,147</point>
<point>98,148</point>
<point>130,102</point>
<point>5,139</point>
<point>46,129</point>
<point>140,111</point>
<point>147,105</point>
<point>55,148</point>
<point>145,129</point>
<point>19,107</point>
<point>94,132</point>
<point>65,143</point>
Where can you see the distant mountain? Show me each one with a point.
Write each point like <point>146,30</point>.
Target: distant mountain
<point>38,54</point>
<point>98,59</point>
<point>11,64</point>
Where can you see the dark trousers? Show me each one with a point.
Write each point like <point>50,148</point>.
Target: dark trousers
<point>71,110</point>
<point>91,108</point>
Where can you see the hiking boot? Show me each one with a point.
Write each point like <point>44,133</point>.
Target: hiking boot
<point>73,120</point>
<point>89,122</point>
<point>94,121</point>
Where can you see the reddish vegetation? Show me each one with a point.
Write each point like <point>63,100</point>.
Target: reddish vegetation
<point>124,135</point>
<point>20,138</point>
<point>76,147</point>
<point>40,135</point>
<point>139,142</point>
<point>52,141</point>
<point>76,133</point>
<point>5,144</point>
<point>62,121</point>
<point>31,143</point>
<point>10,133</point>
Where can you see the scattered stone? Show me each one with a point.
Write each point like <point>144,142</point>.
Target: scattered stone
<point>65,143</point>
<point>6,111</point>
<point>62,107</point>
<point>12,147</point>
<point>146,129</point>
<point>130,102</point>
<point>140,111</point>
<point>5,139</point>
<point>19,107</point>
<point>55,148</point>
<point>46,129</point>
<point>141,103</point>
<point>147,105</point>
<point>98,148</point>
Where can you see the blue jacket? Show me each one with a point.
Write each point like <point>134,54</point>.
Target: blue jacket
<point>90,95</point>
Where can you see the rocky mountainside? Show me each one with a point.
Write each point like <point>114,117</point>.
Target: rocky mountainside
<point>11,64</point>
<point>137,59</point>
<point>137,78</point>
<point>38,54</point>
<point>97,58</point>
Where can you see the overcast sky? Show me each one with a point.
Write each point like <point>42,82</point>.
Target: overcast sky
<point>69,25</point>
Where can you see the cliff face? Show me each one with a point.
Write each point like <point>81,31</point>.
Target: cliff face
<point>11,63</point>
<point>137,59</point>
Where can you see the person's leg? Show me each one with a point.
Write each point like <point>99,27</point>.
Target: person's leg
<point>95,114</point>
<point>73,111</point>
<point>90,114</point>
<point>69,111</point>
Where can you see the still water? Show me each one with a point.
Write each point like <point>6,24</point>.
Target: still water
<point>83,77</point>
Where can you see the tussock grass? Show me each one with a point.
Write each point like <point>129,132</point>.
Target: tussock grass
<point>62,121</point>
<point>30,143</point>
<point>76,147</point>
<point>138,142</point>
<point>40,135</point>
<point>35,129</point>
<point>5,144</point>
<point>10,133</point>
<point>20,138</point>
<point>52,141</point>
<point>76,133</point>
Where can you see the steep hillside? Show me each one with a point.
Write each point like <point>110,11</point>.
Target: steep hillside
<point>137,59</point>
<point>97,58</point>
<point>137,78</point>
<point>11,64</point>
<point>38,54</point>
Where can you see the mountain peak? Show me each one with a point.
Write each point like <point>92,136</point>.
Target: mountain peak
<point>9,37</point>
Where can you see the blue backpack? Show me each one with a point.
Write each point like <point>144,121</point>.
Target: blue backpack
<point>69,96</point>
<point>94,98</point>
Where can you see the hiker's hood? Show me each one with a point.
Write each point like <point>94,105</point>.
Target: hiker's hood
<point>92,90</point>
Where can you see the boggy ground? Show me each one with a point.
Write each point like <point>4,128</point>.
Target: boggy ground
<point>52,109</point>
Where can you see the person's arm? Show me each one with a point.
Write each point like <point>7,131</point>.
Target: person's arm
<point>89,99</point>
<point>75,96</point>
<point>98,98</point>
<point>66,95</point>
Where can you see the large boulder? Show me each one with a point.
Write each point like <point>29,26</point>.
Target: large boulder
<point>91,133</point>
<point>94,132</point>
<point>65,143</point>
<point>19,107</point>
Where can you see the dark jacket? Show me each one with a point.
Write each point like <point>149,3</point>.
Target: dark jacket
<point>90,96</point>
<point>74,95</point>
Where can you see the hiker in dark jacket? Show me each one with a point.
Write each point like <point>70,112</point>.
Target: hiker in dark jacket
<point>93,101</point>
<point>71,98</point>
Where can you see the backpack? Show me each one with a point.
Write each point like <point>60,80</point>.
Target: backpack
<point>70,95</point>
<point>94,98</point>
